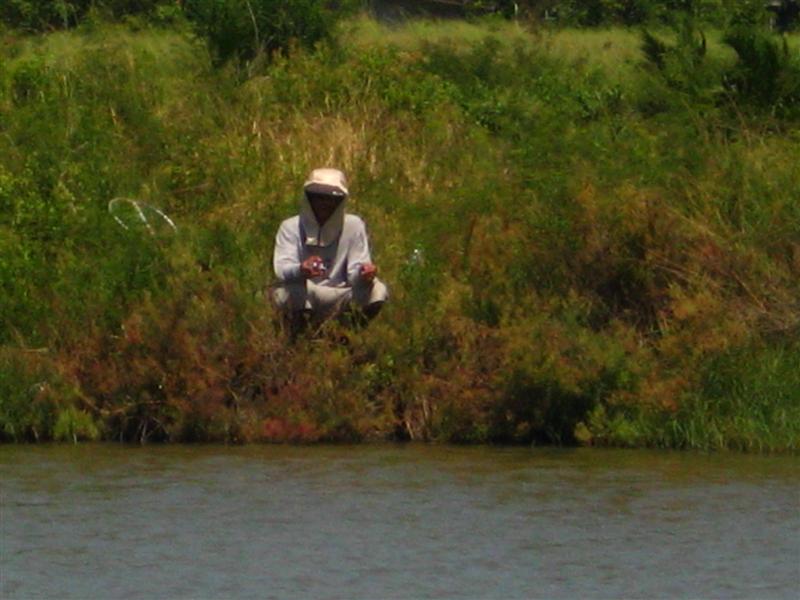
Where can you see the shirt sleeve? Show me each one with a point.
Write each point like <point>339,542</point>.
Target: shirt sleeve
<point>286,259</point>
<point>357,253</point>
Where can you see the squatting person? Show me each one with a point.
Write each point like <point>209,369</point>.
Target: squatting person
<point>322,258</point>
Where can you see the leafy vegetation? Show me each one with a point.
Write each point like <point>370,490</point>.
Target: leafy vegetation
<point>590,236</point>
<point>234,29</point>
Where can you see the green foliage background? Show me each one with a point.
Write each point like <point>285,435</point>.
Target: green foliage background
<point>590,236</point>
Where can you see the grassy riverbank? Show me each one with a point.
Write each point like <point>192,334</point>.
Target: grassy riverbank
<point>583,245</point>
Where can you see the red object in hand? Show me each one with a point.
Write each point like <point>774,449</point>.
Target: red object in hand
<point>368,272</point>
<point>312,267</point>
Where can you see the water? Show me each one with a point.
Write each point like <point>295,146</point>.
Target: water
<point>396,522</point>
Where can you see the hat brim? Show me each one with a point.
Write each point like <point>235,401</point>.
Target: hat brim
<point>322,189</point>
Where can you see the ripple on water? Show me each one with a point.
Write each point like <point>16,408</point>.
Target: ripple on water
<point>396,522</point>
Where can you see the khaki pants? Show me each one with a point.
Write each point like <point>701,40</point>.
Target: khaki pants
<point>325,300</point>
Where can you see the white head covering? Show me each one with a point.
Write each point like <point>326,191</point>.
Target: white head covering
<point>323,181</point>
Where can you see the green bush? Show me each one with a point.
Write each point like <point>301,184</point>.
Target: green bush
<point>28,395</point>
<point>767,74</point>
<point>74,425</point>
<point>637,12</point>
<point>752,398</point>
<point>244,28</point>
<point>45,15</point>
<point>238,29</point>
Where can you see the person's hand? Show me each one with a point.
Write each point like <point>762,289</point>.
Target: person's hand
<point>368,272</point>
<point>312,267</point>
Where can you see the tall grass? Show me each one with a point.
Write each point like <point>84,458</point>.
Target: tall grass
<point>581,246</point>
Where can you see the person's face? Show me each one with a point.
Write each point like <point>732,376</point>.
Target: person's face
<point>323,205</point>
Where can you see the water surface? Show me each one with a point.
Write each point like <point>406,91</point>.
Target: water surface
<point>395,522</point>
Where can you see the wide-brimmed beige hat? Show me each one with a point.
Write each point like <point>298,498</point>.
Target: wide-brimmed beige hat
<point>326,181</point>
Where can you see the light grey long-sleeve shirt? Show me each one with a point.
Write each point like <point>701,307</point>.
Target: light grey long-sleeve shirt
<point>343,258</point>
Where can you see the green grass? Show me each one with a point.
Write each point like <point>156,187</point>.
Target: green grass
<point>610,251</point>
<point>413,35</point>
